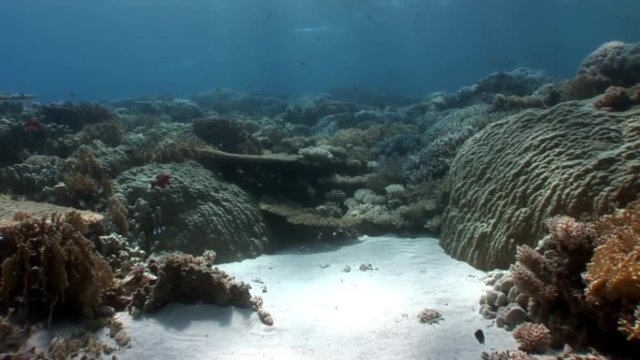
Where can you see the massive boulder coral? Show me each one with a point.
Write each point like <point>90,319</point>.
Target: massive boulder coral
<point>613,63</point>
<point>523,169</point>
<point>195,212</point>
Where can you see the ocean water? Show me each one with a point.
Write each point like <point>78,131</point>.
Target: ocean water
<point>117,48</point>
<point>320,179</point>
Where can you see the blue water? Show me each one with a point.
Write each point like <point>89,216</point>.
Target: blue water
<point>116,48</point>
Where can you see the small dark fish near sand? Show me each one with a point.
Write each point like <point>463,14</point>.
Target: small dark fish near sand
<point>479,334</point>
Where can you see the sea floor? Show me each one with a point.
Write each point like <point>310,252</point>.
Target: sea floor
<point>323,312</point>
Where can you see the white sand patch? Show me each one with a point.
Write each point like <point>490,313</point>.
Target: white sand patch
<point>330,314</point>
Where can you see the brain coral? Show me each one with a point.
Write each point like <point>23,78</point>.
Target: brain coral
<point>197,211</point>
<point>523,169</point>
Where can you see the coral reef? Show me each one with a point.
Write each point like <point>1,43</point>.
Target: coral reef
<point>12,338</point>
<point>110,132</point>
<point>507,355</point>
<point>49,266</point>
<point>523,169</point>
<point>75,116</point>
<point>614,270</point>
<point>288,223</point>
<point>615,98</point>
<point>582,281</point>
<point>226,134</point>
<point>34,178</point>
<point>430,316</point>
<point>185,278</point>
<point>518,82</point>
<point>532,338</point>
<point>225,101</point>
<point>197,212</point>
<point>443,139</point>
<point>504,302</point>
<point>613,64</point>
<point>9,208</point>
<point>85,181</point>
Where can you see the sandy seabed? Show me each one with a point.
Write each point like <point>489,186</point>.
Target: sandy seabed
<point>323,312</point>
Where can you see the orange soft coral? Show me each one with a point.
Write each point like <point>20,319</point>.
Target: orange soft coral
<point>614,270</point>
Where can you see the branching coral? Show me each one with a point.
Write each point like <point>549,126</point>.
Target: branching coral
<point>549,271</point>
<point>50,266</point>
<point>443,140</point>
<point>532,338</point>
<point>586,296</point>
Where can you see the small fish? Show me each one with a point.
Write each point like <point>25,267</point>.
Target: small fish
<point>162,180</point>
<point>71,94</point>
<point>369,16</point>
<point>479,336</point>
<point>302,63</point>
<point>33,126</point>
<point>317,37</point>
<point>626,18</point>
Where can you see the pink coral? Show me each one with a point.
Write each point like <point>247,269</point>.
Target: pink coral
<point>532,338</point>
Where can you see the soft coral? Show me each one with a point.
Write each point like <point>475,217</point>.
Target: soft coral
<point>615,98</point>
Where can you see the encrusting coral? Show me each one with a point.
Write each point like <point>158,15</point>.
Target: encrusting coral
<point>49,266</point>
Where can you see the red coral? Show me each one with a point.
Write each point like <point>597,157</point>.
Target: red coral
<point>614,99</point>
<point>162,180</point>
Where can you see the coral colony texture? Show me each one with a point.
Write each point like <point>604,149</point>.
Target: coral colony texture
<point>126,206</point>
